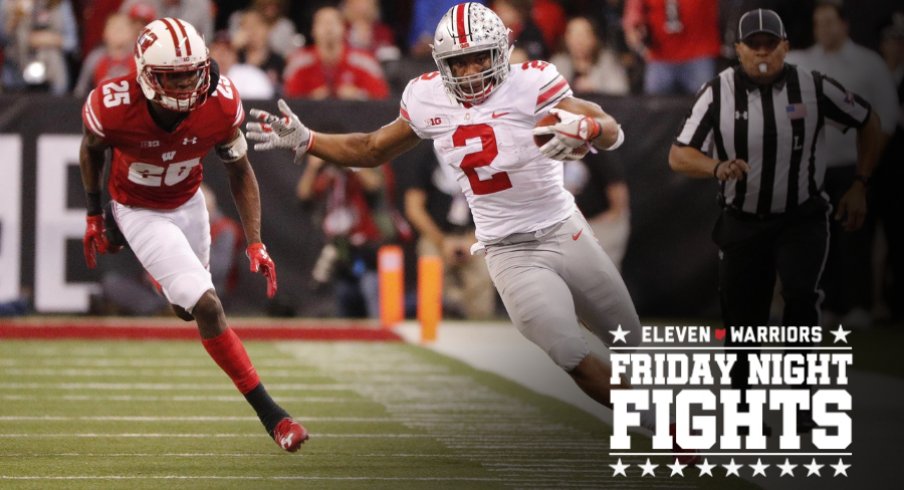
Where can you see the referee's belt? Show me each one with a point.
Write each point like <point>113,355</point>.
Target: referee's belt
<point>811,204</point>
<point>745,216</point>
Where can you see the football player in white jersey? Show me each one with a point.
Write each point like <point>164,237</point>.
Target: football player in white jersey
<point>480,112</point>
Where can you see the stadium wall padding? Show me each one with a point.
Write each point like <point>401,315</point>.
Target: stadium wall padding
<point>670,267</point>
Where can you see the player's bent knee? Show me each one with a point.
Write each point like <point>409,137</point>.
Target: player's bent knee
<point>187,289</point>
<point>208,306</point>
<point>569,352</point>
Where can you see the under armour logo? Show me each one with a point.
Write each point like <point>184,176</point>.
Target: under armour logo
<point>740,115</point>
<point>168,156</point>
<point>190,141</point>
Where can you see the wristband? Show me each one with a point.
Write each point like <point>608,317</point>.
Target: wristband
<point>716,169</point>
<point>618,139</point>
<point>93,200</point>
<point>862,179</point>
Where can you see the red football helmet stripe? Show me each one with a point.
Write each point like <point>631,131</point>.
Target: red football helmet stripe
<point>172,32</point>
<point>181,25</point>
<point>460,24</point>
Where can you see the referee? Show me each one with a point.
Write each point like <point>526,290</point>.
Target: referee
<point>763,123</point>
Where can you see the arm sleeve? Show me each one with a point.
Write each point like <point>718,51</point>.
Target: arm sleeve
<point>552,85</point>
<point>699,124</point>
<point>91,113</point>
<point>842,108</point>
<point>408,105</point>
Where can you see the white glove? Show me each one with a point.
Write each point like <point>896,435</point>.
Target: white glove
<point>279,132</point>
<point>571,135</point>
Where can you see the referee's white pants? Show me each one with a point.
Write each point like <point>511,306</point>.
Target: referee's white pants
<point>550,284</point>
<point>172,245</point>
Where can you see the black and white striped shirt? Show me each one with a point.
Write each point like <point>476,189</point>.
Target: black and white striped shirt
<point>777,129</point>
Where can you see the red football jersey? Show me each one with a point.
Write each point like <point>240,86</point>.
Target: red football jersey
<point>153,168</point>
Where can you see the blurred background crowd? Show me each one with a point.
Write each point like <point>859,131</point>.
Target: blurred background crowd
<point>370,49</point>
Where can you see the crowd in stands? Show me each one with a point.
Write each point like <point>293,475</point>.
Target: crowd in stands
<point>369,49</point>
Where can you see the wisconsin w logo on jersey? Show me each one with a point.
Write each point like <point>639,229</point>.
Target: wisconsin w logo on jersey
<point>168,156</point>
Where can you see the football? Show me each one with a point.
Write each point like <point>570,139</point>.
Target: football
<point>547,120</point>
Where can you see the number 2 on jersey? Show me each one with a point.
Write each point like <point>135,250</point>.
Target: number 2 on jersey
<point>500,180</point>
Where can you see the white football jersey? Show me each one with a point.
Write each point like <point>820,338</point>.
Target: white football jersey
<point>510,186</point>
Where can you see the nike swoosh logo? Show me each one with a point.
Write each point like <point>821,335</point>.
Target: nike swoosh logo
<point>577,235</point>
<point>495,115</point>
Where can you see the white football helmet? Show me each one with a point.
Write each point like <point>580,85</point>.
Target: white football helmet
<point>470,28</point>
<point>173,64</point>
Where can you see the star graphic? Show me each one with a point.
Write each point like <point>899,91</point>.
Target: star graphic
<point>759,468</point>
<point>648,468</point>
<point>706,468</point>
<point>840,334</point>
<point>813,468</point>
<point>732,468</point>
<point>787,468</point>
<point>619,468</point>
<point>677,468</point>
<point>619,334</point>
<point>840,468</point>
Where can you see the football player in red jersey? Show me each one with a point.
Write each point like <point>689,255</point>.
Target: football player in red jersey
<point>159,125</point>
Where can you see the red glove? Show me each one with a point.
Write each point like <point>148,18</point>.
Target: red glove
<point>261,262</point>
<point>94,241</point>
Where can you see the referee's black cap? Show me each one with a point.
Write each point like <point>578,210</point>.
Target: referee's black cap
<point>761,20</point>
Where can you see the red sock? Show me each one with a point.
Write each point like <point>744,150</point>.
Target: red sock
<point>229,353</point>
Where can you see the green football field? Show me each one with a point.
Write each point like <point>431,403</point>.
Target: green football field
<point>152,414</point>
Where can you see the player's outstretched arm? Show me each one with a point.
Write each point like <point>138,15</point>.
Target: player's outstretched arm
<point>246,194</point>
<point>91,163</point>
<point>349,150</point>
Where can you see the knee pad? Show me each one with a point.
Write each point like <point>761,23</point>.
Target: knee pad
<point>185,289</point>
<point>569,352</point>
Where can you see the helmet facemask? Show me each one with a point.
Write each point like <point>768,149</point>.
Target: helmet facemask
<point>476,87</point>
<point>178,88</point>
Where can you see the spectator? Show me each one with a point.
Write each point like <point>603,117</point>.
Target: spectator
<point>679,39</point>
<point>516,14</point>
<point>587,64</point>
<point>438,210</point>
<point>252,43</point>
<point>366,32</point>
<point>92,17</point>
<point>330,69</point>
<point>357,218</point>
<point>282,36</point>
<point>41,34</point>
<point>847,280</point>
<point>549,17</point>
<point>113,59</point>
<point>198,13</point>
<point>251,81</point>
<point>600,191</point>
<point>424,18</point>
